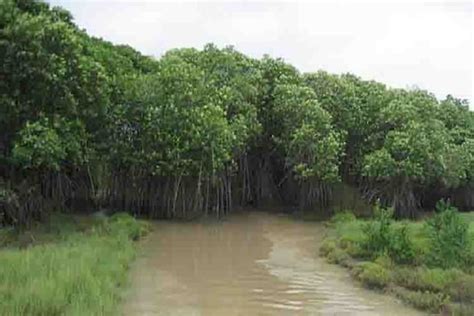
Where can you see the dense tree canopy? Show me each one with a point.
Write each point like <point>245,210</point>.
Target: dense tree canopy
<point>86,123</point>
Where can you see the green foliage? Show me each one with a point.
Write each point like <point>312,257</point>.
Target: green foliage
<point>377,232</point>
<point>339,256</point>
<point>310,143</point>
<point>425,279</point>
<point>449,242</point>
<point>403,265</point>
<point>417,148</point>
<point>381,237</point>
<point>354,105</point>
<point>234,80</point>
<point>343,216</point>
<point>46,144</point>
<point>81,274</point>
<point>328,245</point>
<point>345,224</point>
<point>45,69</point>
<point>385,261</point>
<point>413,151</point>
<point>175,126</point>
<point>39,146</point>
<point>401,248</point>
<point>80,107</point>
<point>372,274</point>
<point>123,222</point>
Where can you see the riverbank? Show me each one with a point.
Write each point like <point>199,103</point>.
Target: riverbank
<point>427,264</point>
<point>67,266</point>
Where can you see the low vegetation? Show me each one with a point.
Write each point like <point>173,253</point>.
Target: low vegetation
<point>427,264</point>
<point>70,266</point>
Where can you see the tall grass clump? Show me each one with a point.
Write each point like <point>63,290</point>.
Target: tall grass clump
<point>80,275</point>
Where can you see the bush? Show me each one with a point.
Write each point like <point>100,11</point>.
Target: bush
<point>328,246</point>
<point>434,302</point>
<point>343,216</point>
<point>350,231</point>
<point>382,238</point>
<point>377,232</point>
<point>384,261</point>
<point>400,247</point>
<point>124,223</point>
<point>339,256</point>
<point>353,248</point>
<point>398,253</point>
<point>424,279</point>
<point>449,241</point>
<point>372,274</point>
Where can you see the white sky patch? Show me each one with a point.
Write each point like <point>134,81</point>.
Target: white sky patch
<point>402,43</point>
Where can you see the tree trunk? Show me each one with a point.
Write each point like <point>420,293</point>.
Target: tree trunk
<point>404,202</point>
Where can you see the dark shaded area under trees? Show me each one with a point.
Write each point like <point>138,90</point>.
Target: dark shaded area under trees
<point>87,124</point>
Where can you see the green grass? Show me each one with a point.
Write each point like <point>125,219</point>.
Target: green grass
<point>425,287</point>
<point>69,267</point>
<point>469,217</point>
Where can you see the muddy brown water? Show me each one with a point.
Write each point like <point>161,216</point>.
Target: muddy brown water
<point>249,264</point>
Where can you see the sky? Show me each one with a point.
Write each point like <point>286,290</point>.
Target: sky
<point>424,44</point>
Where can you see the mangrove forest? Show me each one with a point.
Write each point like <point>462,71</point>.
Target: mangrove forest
<point>86,125</point>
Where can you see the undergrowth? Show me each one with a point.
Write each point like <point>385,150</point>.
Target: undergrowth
<point>73,271</point>
<point>427,264</point>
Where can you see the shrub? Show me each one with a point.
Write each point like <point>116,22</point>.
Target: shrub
<point>328,246</point>
<point>449,240</point>
<point>350,231</point>
<point>353,248</point>
<point>400,247</point>
<point>424,279</point>
<point>422,300</point>
<point>438,279</point>
<point>372,274</point>
<point>382,238</point>
<point>384,261</point>
<point>377,232</point>
<point>343,216</point>
<point>124,223</point>
<point>339,256</point>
